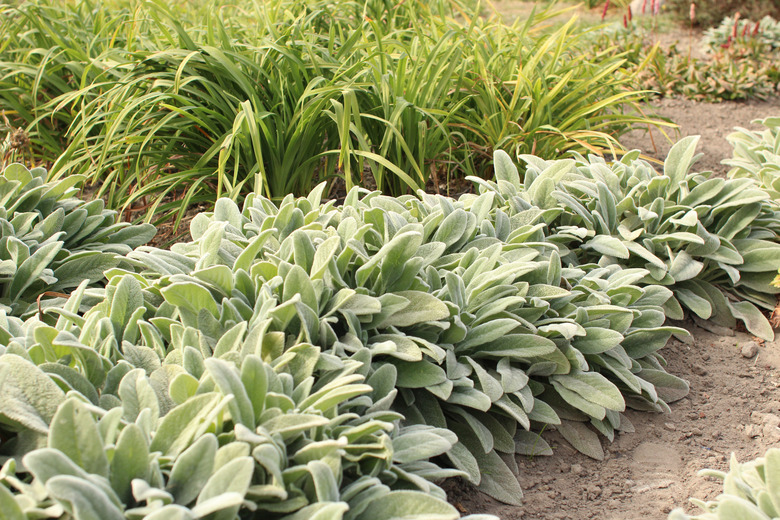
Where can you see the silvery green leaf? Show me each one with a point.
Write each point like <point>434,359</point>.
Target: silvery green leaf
<point>409,504</point>
<point>607,245</point>
<point>171,512</point>
<point>754,320</point>
<point>465,461</point>
<point>29,271</point>
<point>531,444</point>
<point>74,432</point>
<point>190,297</point>
<point>9,507</point>
<point>700,305</point>
<point>517,346</point>
<point>233,477</point>
<point>642,342</point>
<point>593,387</point>
<point>83,498</point>
<point>290,425</point>
<point>597,340</point>
<point>420,443</point>
<point>669,388</point>
<point>582,438</point>
<point>46,463</point>
<point>228,381</point>
<point>254,378</point>
<point>320,511</point>
<point>177,429</point>
<point>505,169</point>
<point>422,307</point>
<point>737,508</point>
<point>758,257</point>
<point>679,160</point>
<point>487,384</point>
<point>130,461</point>
<point>772,476</point>
<point>684,267</point>
<point>137,394</point>
<point>192,469</point>
<point>418,374</point>
<point>126,298</point>
<point>221,507</point>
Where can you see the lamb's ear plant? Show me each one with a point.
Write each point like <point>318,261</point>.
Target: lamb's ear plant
<point>489,334</point>
<point>756,155</point>
<point>713,242</point>
<point>751,491</point>
<point>109,415</point>
<point>50,240</point>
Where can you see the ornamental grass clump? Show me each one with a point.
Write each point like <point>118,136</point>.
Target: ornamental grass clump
<point>166,106</point>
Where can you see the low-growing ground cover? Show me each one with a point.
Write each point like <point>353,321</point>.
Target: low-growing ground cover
<point>300,359</point>
<point>480,318</point>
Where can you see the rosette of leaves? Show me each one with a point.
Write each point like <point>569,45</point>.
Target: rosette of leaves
<point>473,310</point>
<point>712,241</point>
<point>756,155</point>
<point>50,241</point>
<point>751,491</point>
<point>178,429</point>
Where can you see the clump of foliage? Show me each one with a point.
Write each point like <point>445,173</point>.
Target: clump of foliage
<point>740,70</point>
<point>734,73</point>
<point>751,491</point>
<point>710,13</point>
<point>735,31</point>
<point>299,358</point>
<point>50,240</point>
<point>714,242</point>
<point>757,155</point>
<point>274,97</point>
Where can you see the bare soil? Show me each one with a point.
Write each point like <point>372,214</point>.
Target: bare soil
<point>733,406</point>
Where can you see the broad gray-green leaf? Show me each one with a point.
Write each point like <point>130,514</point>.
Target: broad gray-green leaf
<point>754,320</point>
<point>418,374</point>
<point>233,477</point>
<point>422,308</point>
<point>607,245</point>
<point>531,444</point>
<point>292,424</point>
<point>177,429</point>
<point>86,500</point>
<point>505,169</point>
<point>28,397</point>
<point>9,508</point>
<point>229,382</point>
<point>409,504</point>
<point>192,470</point>
<point>593,387</point>
<point>74,432</point>
<point>597,340</point>
<point>582,438</point>
<point>130,461</point>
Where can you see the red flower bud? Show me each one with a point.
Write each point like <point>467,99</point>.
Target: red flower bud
<point>604,12</point>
